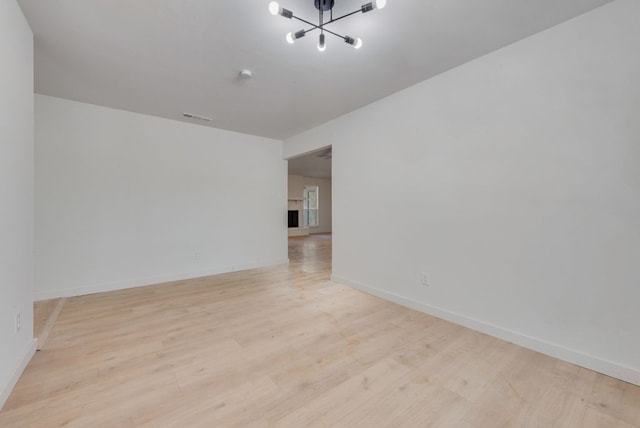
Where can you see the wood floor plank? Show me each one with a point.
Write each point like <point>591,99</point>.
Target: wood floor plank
<point>284,347</point>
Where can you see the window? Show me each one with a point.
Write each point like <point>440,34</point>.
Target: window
<point>310,207</point>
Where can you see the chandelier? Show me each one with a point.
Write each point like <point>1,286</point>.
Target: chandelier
<point>324,6</point>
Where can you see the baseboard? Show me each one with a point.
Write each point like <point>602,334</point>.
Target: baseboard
<point>609,368</point>
<point>238,268</point>
<point>141,282</point>
<point>6,389</point>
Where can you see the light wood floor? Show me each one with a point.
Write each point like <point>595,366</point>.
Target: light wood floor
<point>284,347</point>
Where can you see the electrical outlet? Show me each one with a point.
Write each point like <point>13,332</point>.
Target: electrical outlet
<point>424,279</point>
<point>18,322</point>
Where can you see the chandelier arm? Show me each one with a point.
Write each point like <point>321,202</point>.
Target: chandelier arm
<point>342,17</point>
<point>307,22</point>
<point>335,34</point>
<point>322,25</point>
<point>326,23</point>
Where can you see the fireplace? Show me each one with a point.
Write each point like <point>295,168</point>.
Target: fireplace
<point>293,218</point>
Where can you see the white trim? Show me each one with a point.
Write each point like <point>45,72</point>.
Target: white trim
<point>6,389</point>
<point>141,282</point>
<point>609,368</point>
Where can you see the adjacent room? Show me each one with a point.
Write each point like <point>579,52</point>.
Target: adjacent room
<point>309,209</point>
<point>320,213</point>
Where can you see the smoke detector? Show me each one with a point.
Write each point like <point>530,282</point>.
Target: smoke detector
<point>246,74</point>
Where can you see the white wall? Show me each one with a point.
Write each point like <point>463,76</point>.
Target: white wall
<point>16,194</point>
<point>514,181</point>
<point>124,199</point>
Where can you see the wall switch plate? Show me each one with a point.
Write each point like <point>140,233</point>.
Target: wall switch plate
<point>424,279</point>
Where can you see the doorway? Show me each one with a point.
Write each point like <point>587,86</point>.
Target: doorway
<point>309,199</point>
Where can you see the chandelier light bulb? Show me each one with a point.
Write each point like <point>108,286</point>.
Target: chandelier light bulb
<point>379,4</point>
<point>290,38</point>
<point>356,43</point>
<point>274,8</point>
<point>321,45</point>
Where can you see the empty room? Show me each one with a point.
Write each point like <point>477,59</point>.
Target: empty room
<point>323,213</point>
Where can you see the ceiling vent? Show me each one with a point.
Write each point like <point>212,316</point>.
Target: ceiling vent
<point>196,117</point>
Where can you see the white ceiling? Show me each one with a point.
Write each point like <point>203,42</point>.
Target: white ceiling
<point>165,57</point>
